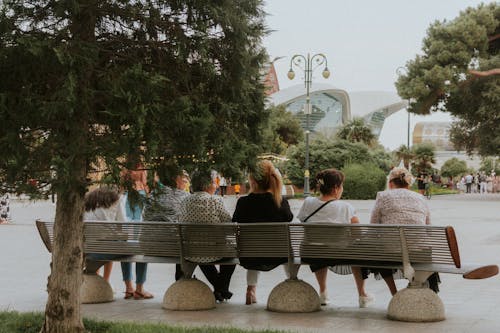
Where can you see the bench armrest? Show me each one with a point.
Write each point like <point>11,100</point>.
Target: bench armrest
<point>468,271</point>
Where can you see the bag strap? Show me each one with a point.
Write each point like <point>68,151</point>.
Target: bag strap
<point>317,210</point>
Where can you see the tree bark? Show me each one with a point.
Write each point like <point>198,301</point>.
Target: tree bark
<point>62,312</point>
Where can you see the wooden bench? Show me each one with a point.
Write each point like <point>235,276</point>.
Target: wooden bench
<point>418,251</point>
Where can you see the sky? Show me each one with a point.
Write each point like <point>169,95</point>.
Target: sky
<point>365,41</point>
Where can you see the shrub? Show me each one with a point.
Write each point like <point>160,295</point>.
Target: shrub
<point>363,181</point>
<point>325,153</point>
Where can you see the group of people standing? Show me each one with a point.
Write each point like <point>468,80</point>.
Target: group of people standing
<point>264,203</point>
<point>479,183</point>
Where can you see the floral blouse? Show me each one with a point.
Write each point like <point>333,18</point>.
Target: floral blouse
<point>400,206</point>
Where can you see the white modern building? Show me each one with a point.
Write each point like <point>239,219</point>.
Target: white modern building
<point>332,107</point>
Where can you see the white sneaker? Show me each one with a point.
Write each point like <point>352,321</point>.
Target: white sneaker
<point>364,301</point>
<point>323,297</point>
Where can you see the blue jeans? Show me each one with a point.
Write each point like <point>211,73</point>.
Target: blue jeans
<point>141,270</point>
<point>134,214</point>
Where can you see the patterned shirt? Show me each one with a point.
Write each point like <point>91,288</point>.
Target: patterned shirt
<point>400,206</point>
<point>164,205</point>
<point>202,207</point>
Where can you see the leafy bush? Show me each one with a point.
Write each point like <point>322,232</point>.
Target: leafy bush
<point>325,154</point>
<point>453,168</point>
<point>363,181</point>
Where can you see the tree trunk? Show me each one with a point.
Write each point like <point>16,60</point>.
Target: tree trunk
<point>62,312</point>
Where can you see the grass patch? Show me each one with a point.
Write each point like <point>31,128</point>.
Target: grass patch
<point>436,190</point>
<point>15,322</point>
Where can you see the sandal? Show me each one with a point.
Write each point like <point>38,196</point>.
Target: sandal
<point>142,295</point>
<point>129,294</point>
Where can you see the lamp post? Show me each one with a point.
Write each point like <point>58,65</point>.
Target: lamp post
<point>308,65</point>
<point>402,71</point>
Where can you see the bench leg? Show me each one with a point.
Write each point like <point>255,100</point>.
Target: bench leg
<point>188,294</point>
<point>293,295</point>
<point>95,289</point>
<point>416,303</point>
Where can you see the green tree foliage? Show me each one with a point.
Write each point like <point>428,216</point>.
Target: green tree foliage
<point>424,157</point>
<point>357,131</point>
<point>440,79</point>
<point>282,130</point>
<point>363,181</point>
<point>490,163</point>
<point>453,168</point>
<point>325,154</point>
<point>86,83</point>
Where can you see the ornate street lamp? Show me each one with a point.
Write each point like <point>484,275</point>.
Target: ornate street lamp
<point>308,65</point>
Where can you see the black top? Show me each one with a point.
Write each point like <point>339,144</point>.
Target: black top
<point>260,207</point>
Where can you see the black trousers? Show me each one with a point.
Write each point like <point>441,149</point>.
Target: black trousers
<point>219,279</point>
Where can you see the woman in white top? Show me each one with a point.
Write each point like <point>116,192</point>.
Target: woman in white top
<point>329,208</point>
<point>104,204</point>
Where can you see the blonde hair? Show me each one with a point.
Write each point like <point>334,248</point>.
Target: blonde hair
<point>267,178</point>
<point>400,177</point>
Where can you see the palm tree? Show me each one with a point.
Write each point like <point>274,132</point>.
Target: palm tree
<point>424,157</point>
<point>357,131</point>
<point>405,154</point>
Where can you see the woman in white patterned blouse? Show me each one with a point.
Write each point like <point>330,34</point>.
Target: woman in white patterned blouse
<point>400,205</point>
<point>204,207</point>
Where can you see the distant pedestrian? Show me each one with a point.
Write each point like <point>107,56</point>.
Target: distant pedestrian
<point>482,183</point>
<point>223,185</point>
<point>237,190</point>
<point>4,209</point>
<point>421,183</point>
<point>468,183</point>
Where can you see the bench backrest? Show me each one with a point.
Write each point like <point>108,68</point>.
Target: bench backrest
<point>270,240</point>
<point>388,243</point>
<point>208,240</point>
<point>391,243</point>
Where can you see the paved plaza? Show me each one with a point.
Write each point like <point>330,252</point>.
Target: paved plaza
<point>471,306</point>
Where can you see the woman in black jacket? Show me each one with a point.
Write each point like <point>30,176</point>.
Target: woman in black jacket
<point>263,204</point>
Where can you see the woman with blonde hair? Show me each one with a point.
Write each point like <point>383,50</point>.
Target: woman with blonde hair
<point>263,204</point>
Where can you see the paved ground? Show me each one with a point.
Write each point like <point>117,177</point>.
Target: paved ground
<point>471,306</point>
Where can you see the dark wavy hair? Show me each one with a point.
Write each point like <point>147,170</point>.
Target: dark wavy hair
<point>102,197</point>
<point>329,179</point>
